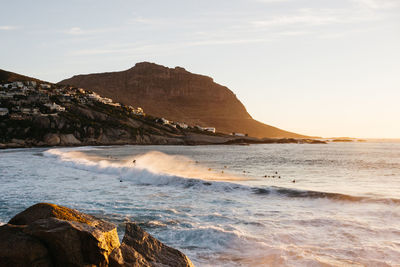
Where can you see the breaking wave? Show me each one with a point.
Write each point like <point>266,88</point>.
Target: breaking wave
<point>159,169</point>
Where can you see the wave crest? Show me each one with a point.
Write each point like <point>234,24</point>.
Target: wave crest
<point>159,169</point>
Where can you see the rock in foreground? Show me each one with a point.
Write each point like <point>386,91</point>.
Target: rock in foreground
<point>51,235</point>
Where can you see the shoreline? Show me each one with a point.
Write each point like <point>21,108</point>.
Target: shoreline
<point>185,142</point>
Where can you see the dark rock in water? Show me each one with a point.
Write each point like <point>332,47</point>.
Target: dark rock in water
<point>20,249</point>
<point>152,249</point>
<point>47,235</point>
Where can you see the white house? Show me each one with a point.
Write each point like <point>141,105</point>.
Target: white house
<point>3,111</point>
<point>182,125</point>
<point>138,111</point>
<point>7,95</point>
<point>26,110</point>
<point>17,84</point>
<point>93,96</point>
<point>164,121</point>
<point>105,100</point>
<point>32,83</point>
<point>238,134</point>
<point>54,106</point>
<point>209,129</point>
<point>206,129</point>
<point>45,86</point>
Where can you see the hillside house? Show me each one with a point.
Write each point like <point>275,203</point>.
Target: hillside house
<point>45,86</point>
<point>94,96</point>
<point>26,111</point>
<point>238,134</point>
<point>6,95</point>
<point>3,111</point>
<point>182,125</point>
<point>17,85</point>
<point>31,83</point>
<point>54,106</point>
<point>210,129</point>
<point>163,121</point>
<point>16,108</point>
<point>15,116</point>
<point>138,111</point>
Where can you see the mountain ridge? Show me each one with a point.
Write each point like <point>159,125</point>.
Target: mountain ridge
<point>179,95</point>
<point>8,76</point>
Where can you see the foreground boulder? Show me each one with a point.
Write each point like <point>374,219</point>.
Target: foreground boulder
<point>50,235</point>
<point>18,249</point>
<point>73,238</point>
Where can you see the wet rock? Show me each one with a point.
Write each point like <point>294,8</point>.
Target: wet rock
<point>127,256</point>
<point>153,250</point>
<point>18,141</point>
<point>20,249</point>
<point>69,139</point>
<point>52,139</point>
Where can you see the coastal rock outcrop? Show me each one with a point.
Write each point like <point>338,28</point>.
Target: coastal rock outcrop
<point>51,235</point>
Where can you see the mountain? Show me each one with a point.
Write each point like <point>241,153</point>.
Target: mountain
<point>45,114</point>
<point>7,76</point>
<point>178,95</point>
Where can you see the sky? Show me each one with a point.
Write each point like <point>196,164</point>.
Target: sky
<point>326,68</point>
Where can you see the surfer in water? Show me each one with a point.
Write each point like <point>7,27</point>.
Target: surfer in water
<point>134,162</point>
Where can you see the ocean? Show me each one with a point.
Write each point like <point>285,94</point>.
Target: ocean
<point>335,204</point>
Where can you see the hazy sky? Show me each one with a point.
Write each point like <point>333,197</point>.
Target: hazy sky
<point>316,67</point>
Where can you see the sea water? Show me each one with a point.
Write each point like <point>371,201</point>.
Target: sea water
<point>334,204</point>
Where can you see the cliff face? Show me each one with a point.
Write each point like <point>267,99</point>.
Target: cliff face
<point>178,95</point>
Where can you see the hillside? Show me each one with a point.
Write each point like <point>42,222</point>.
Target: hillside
<point>7,76</point>
<point>44,114</point>
<point>178,95</point>
<point>33,114</point>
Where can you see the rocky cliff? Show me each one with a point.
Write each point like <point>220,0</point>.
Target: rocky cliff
<point>178,95</point>
<point>51,235</point>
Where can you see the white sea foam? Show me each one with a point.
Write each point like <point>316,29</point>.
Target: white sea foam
<point>153,168</point>
<point>159,169</point>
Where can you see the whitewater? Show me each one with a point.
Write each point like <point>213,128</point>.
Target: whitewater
<point>334,204</point>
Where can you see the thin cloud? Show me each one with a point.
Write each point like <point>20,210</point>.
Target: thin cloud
<point>75,31</point>
<point>378,4</point>
<point>134,48</point>
<point>272,1</point>
<point>316,17</point>
<point>80,31</point>
<point>8,28</point>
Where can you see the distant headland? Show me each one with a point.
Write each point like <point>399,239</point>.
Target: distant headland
<point>143,111</point>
